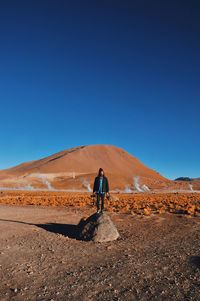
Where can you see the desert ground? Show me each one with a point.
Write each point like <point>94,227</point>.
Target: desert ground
<point>156,257</point>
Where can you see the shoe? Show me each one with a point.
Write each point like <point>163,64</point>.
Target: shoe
<point>101,211</point>
<point>98,211</point>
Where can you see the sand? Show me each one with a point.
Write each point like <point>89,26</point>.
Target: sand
<point>157,257</point>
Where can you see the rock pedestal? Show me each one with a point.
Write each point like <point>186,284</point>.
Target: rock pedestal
<point>97,227</point>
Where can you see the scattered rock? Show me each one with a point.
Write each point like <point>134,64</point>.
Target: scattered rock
<point>14,289</point>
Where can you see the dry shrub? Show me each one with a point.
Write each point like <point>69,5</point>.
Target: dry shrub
<point>141,203</point>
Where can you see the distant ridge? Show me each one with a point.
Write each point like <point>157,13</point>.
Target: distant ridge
<point>187,179</point>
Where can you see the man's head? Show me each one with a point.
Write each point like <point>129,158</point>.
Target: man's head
<point>101,172</point>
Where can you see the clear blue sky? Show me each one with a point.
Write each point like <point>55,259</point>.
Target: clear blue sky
<point>125,73</point>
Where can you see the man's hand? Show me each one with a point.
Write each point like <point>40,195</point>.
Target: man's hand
<point>108,195</point>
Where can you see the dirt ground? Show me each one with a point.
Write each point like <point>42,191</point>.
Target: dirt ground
<point>157,257</point>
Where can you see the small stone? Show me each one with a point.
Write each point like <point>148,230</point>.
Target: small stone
<point>15,290</point>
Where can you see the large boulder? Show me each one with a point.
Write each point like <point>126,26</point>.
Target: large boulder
<point>97,227</point>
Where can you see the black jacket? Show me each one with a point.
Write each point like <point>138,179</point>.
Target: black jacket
<point>105,186</point>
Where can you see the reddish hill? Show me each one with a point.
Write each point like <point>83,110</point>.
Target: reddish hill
<point>86,159</point>
<point>72,168</point>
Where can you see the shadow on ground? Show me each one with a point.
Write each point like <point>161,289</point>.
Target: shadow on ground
<point>195,260</point>
<point>68,230</point>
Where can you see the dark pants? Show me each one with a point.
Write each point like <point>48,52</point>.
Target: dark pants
<point>102,196</point>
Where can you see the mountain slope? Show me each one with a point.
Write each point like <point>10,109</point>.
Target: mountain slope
<point>86,160</point>
<point>75,168</point>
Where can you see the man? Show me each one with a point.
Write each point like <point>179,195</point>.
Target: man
<point>100,187</point>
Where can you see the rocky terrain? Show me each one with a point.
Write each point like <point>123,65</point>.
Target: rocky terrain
<point>156,256</point>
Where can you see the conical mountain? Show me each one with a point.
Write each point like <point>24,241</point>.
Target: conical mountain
<point>69,168</point>
<point>86,159</point>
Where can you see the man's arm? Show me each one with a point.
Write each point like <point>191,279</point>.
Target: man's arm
<point>107,184</point>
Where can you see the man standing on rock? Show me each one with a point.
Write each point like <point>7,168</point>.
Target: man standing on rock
<point>100,187</point>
